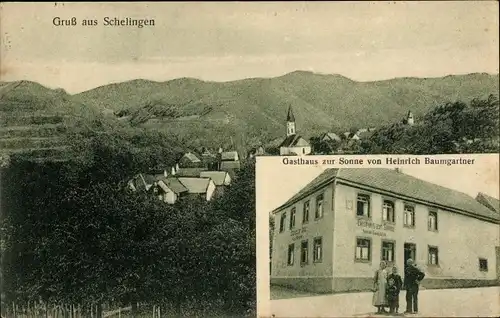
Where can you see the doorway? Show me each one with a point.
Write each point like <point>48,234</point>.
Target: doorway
<point>410,252</point>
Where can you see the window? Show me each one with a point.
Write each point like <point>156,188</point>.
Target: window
<point>409,216</point>
<point>305,215</point>
<point>318,249</point>
<point>433,255</point>
<point>292,218</point>
<point>363,205</point>
<point>432,222</point>
<point>363,249</point>
<point>319,206</point>
<point>388,251</point>
<point>304,255</point>
<point>291,250</point>
<point>483,264</point>
<point>282,222</point>
<point>388,211</point>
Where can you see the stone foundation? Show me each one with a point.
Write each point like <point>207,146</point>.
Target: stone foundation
<point>309,284</point>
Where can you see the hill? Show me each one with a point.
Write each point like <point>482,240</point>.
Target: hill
<point>253,110</point>
<point>37,120</point>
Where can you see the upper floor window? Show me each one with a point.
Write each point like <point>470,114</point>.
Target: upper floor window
<point>319,206</point>
<point>409,216</point>
<point>363,205</point>
<point>305,215</point>
<point>433,221</point>
<point>282,222</point>
<point>388,211</point>
<point>292,218</point>
<point>433,255</point>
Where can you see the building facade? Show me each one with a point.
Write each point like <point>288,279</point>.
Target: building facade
<point>332,235</point>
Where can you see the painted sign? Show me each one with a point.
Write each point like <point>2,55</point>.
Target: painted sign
<point>298,233</point>
<point>369,224</point>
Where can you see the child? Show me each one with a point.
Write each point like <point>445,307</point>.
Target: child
<point>394,284</point>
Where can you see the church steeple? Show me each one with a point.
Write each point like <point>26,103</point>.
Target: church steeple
<point>290,122</point>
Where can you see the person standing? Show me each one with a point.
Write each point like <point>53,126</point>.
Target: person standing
<point>379,286</point>
<point>394,285</point>
<point>413,277</point>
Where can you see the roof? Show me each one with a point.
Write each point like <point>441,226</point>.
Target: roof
<point>289,116</point>
<point>398,183</point>
<point>191,157</point>
<point>489,201</point>
<point>219,177</point>
<point>231,165</point>
<point>189,172</point>
<point>229,155</point>
<point>148,178</point>
<point>293,141</point>
<point>332,136</point>
<point>174,185</point>
<point>195,185</point>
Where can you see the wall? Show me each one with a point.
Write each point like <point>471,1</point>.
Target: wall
<point>312,276</point>
<point>461,240</point>
<point>210,190</point>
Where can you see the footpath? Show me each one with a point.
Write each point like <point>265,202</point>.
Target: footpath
<point>466,302</point>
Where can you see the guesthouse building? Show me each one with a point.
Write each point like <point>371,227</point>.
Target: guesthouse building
<point>332,235</point>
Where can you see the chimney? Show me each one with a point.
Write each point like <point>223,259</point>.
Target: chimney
<point>398,170</point>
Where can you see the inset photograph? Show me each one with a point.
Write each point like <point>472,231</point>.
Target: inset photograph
<point>418,241</point>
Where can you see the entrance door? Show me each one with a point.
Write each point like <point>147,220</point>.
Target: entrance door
<point>410,252</point>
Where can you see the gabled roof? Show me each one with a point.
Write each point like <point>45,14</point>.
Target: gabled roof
<point>195,185</point>
<point>173,184</point>
<point>331,136</point>
<point>148,178</point>
<point>229,155</point>
<point>399,184</point>
<point>191,157</point>
<point>489,201</point>
<point>290,116</point>
<point>189,172</point>
<point>294,141</point>
<point>219,177</point>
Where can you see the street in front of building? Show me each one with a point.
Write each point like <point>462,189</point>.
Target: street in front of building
<point>460,302</point>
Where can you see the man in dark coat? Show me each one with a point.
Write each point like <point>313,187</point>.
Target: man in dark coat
<point>413,277</point>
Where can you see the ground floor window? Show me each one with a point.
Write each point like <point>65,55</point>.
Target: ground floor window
<point>291,250</point>
<point>318,249</point>
<point>433,255</point>
<point>363,249</point>
<point>304,255</point>
<point>483,264</point>
<point>388,251</point>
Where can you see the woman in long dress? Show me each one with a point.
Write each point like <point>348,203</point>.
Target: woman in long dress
<point>379,285</point>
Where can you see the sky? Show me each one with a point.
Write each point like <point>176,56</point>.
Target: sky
<point>217,41</point>
<point>276,182</point>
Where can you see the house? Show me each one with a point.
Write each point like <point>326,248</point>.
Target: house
<point>169,189</point>
<point>189,160</point>
<point>293,144</point>
<point>331,137</point>
<point>221,180</point>
<point>409,120</point>
<point>488,201</point>
<point>230,156</point>
<point>230,167</point>
<point>189,172</point>
<point>200,186</point>
<point>141,182</point>
<point>332,234</point>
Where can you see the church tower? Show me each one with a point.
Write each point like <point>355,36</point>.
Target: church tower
<point>409,119</point>
<point>290,123</point>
